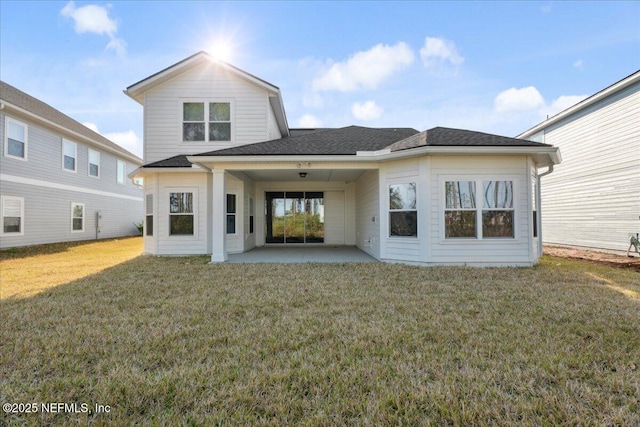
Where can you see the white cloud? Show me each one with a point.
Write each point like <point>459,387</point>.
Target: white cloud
<point>579,64</point>
<point>366,70</point>
<point>366,110</point>
<point>309,121</point>
<point>546,8</point>
<point>562,103</point>
<point>127,140</point>
<point>437,50</point>
<point>523,99</point>
<point>91,126</point>
<point>95,19</point>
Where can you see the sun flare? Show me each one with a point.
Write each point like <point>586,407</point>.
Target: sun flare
<point>221,49</point>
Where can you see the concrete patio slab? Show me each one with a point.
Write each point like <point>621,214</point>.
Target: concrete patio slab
<point>300,254</point>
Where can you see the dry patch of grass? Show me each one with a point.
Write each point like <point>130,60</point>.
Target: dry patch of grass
<point>174,341</point>
<point>27,271</point>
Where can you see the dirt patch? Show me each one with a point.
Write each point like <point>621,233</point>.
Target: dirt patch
<point>614,260</point>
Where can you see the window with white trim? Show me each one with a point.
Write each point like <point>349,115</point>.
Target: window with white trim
<point>181,215</point>
<point>121,171</point>
<point>403,211</point>
<point>231,213</point>
<point>15,139</point>
<point>69,155</point>
<point>94,163</point>
<point>148,221</point>
<point>12,215</point>
<point>206,121</point>
<point>251,214</point>
<point>464,217</point>
<point>77,217</point>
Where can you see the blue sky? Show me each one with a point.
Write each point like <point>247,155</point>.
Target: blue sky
<point>498,67</point>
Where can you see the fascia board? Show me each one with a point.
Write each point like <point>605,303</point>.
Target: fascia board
<point>611,90</point>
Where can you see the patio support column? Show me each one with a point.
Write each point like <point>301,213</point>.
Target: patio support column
<point>219,209</point>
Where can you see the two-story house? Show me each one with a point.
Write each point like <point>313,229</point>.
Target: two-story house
<point>593,200</point>
<point>224,173</point>
<point>59,180</point>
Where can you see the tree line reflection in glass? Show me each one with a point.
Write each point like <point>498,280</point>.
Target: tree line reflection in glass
<point>403,214</point>
<point>181,213</point>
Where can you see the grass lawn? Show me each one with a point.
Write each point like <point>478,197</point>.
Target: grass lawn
<point>174,341</point>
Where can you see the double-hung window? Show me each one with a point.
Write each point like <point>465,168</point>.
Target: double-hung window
<point>231,213</point>
<point>69,155</point>
<point>148,221</point>
<point>467,217</point>
<point>94,163</point>
<point>206,121</point>
<point>121,171</point>
<point>77,217</point>
<point>403,212</point>
<point>12,215</point>
<point>181,216</point>
<point>15,144</point>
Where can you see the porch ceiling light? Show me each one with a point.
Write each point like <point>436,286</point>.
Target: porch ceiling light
<point>302,174</point>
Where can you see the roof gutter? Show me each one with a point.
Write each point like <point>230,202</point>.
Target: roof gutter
<point>553,154</point>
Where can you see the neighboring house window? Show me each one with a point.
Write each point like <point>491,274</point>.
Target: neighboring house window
<point>121,172</point>
<point>251,214</point>
<point>231,214</point>
<point>69,155</point>
<point>403,213</point>
<point>462,210</point>
<point>77,217</point>
<point>534,206</point>
<point>181,217</point>
<point>148,223</point>
<point>15,144</point>
<point>12,215</point>
<point>94,163</point>
<point>206,121</point>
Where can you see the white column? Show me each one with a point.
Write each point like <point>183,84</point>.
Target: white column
<point>219,212</point>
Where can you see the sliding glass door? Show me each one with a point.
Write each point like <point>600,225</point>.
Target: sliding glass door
<point>294,217</point>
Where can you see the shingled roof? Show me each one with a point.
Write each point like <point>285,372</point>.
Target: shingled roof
<point>33,105</point>
<point>342,141</point>
<point>447,137</point>
<point>351,139</point>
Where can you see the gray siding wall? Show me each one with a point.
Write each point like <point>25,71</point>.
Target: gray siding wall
<point>368,213</point>
<point>592,199</point>
<point>48,190</point>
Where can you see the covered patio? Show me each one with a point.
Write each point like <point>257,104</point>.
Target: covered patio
<point>301,254</point>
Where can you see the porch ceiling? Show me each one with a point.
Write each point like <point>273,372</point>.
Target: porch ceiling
<point>316,175</point>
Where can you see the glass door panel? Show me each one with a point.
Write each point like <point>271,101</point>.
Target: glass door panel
<point>314,217</point>
<point>294,217</point>
<point>275,217</point>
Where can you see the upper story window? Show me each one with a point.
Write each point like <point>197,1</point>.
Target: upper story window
<point>15,139</point>
<point>69,155</point>
<point>121,171</point>
<point>94,163</point>
<point>403,210</point>
<point>493,217</point>
<point>206,121</point>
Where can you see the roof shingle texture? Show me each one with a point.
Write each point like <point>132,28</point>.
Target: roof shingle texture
<point>27,102</point>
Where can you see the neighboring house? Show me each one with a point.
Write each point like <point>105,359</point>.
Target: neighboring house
<point>593,199</point>
<point>59,180</point>
<point>224,173</point>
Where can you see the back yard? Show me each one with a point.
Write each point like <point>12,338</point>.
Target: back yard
<point>174,341</point>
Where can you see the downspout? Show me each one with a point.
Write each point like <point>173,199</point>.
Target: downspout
<point>539,207</point>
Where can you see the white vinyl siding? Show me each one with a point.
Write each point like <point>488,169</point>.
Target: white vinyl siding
<point>494,251</point>
<point>368,213</point>
<point>163,112</point>
<point>69,156</point>
<point>592,199</point>
<point>12,211</point>
<point>334,217</point>
<point>16,139</point>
